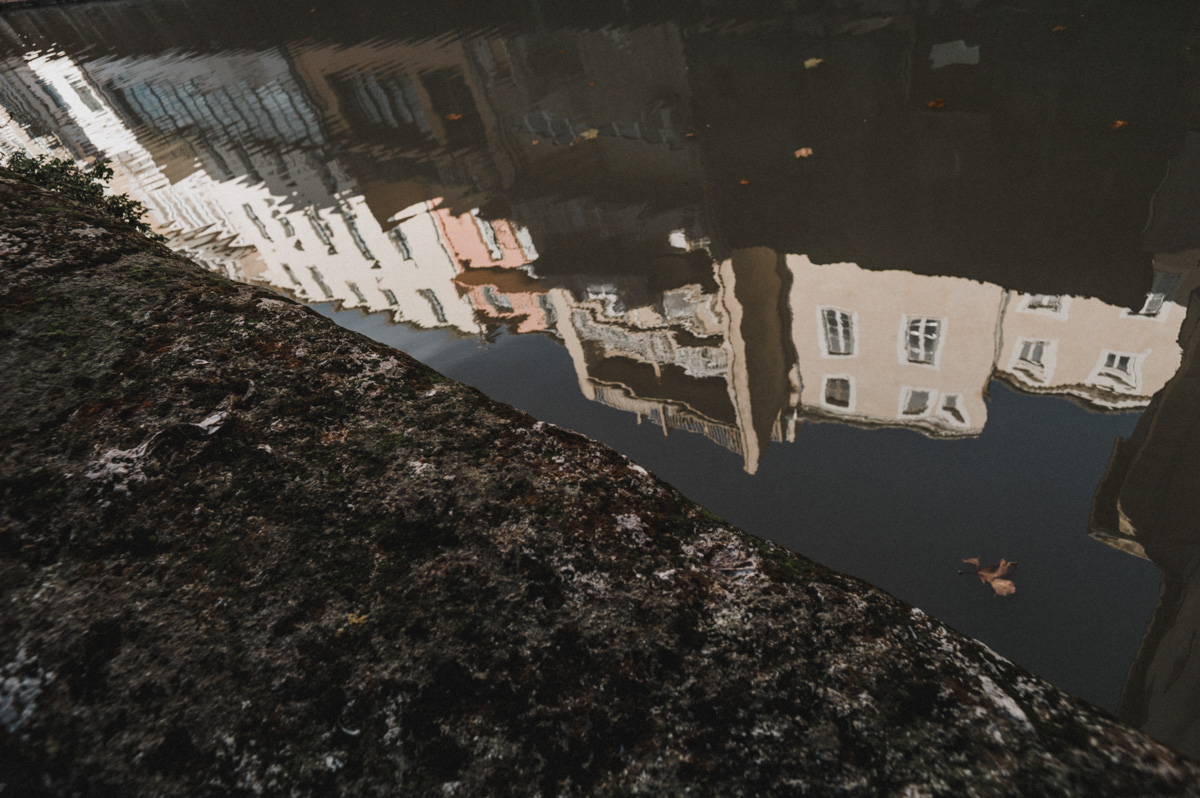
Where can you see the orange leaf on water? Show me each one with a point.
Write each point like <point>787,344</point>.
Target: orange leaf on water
<point>1058,29</point>
<point>940,102</point>
<point>743,182</point>
<point>454,117</point>
<point>1120,123</point>
<point>994,575</point>
<point>804,152</point>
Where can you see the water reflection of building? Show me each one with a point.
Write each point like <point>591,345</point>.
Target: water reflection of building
<point>893,348</point>
<point>281,214</point>
<point>746,363</point>
<point>421,178</point>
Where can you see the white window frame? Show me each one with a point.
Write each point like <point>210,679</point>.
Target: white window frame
<point>1156,306</point>
<point>1028,301</point>
<point>1021,367</point>
<point>824,393</point>
<point>906,391</point>
<point>823,332</point>
<point>938,347</point>
<point>1105,375</point>
<point>959,405</point>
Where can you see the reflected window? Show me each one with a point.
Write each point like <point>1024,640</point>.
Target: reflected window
<point>253,217</point>
<point>89,99</point>
<point>316,275</point>
<point>454,104</point>
<point>488,232</point>
<point>320,228</point>
<point>1045,302</point>
<point>922,340</point>
<point>1032,352</point>
<point>497,300</point>
<point>1031,359</point>
<point>1164,284</point>
<point>52,93</point>
<point>916,402</point>
<point>1120,368</point>
<point>837,392</point>
<point>401,243</point>
<point>839,331</point>
<point>383,105</point>
<point>285,223</point>
<point>952,407</point>
<point>291,274</point>
<point>438,311</point>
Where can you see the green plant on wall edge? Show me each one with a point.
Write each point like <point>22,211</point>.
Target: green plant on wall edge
<point>85,184</point>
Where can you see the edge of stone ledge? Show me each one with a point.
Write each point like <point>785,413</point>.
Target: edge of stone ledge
<point>634,641</point>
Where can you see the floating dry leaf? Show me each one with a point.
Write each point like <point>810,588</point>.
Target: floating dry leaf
<point>804,152</point>
<point>454,117</point>
<point>994,575</point>
<point>1058,28</point>
<point>938,103</point>
<point>809,63</point>
<point>743,182</point>
<point>1120,123</point>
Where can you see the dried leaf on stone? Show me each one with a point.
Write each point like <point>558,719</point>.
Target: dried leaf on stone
<point>994,575</point>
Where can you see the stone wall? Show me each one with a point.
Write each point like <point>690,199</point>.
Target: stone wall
<point>244,551</point>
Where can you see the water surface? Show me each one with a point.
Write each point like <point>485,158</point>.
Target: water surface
<point>883,287</point>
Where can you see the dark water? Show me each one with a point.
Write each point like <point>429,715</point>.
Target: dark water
<point>884,285</point>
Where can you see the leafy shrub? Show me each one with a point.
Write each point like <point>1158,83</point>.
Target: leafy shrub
<point>86,185</point>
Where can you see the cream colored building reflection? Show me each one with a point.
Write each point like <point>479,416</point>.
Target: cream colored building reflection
<point>1102,356</point>
<point>893,348</point>
<point>873,349</point>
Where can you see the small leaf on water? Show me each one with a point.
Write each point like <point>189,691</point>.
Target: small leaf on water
<point>938,103</point>
<point>804,152</point>
<point>454,117</point>
<point>994,575</point>
<point>743,182</point>
<point>809,63</point>
<point>1058,29</point>
<point>1120,123</point>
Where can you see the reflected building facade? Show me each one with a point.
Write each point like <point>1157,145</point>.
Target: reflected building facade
<point>550,183</point>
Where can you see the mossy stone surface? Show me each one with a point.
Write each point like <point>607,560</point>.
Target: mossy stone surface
<point>246,552</point>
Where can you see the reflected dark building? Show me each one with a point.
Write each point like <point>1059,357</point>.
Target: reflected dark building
<point>1149,505</point>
